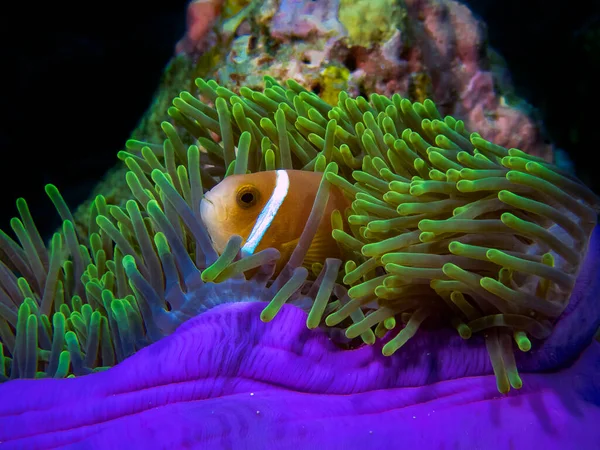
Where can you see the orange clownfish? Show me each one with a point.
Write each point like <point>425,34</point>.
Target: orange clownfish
<point>270,209</point>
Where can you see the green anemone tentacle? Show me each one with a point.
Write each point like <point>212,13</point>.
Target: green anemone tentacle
<point>444,226</point>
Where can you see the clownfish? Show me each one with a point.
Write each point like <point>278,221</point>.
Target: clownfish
<point>270,209</point>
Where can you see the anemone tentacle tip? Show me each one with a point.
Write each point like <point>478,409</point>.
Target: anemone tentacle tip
<point>444,229</point>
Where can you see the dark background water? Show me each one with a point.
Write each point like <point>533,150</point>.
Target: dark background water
<point>80,76</point>
<point>77,78</point>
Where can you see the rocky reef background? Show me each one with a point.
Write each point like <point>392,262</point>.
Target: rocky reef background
<point>80,80</point>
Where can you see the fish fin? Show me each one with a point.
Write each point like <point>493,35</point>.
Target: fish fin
<point>322,247</point>
<point>287,248</point>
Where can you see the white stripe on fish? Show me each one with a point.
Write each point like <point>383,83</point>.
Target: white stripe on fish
<point>265,219</point>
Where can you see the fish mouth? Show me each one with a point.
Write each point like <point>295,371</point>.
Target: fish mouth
<point>207,209</point>
<point>211,211</point>
<point>205,206</point>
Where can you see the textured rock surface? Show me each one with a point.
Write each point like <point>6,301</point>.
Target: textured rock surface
<point>438,51</point>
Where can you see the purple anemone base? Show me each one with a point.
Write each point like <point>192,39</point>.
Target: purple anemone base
<point>226,380</point>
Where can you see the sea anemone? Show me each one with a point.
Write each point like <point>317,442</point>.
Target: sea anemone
<point>445,229</point>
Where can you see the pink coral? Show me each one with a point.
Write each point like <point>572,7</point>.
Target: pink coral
<point>306,18</point>
<point>438,51</point>
<point>201,15</point>
<point>448,44</point>
<point>508,126</point>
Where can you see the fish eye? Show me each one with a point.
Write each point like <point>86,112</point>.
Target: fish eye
<point>247,196</point>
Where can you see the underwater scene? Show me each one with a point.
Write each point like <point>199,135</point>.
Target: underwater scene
<point>296,224</point>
